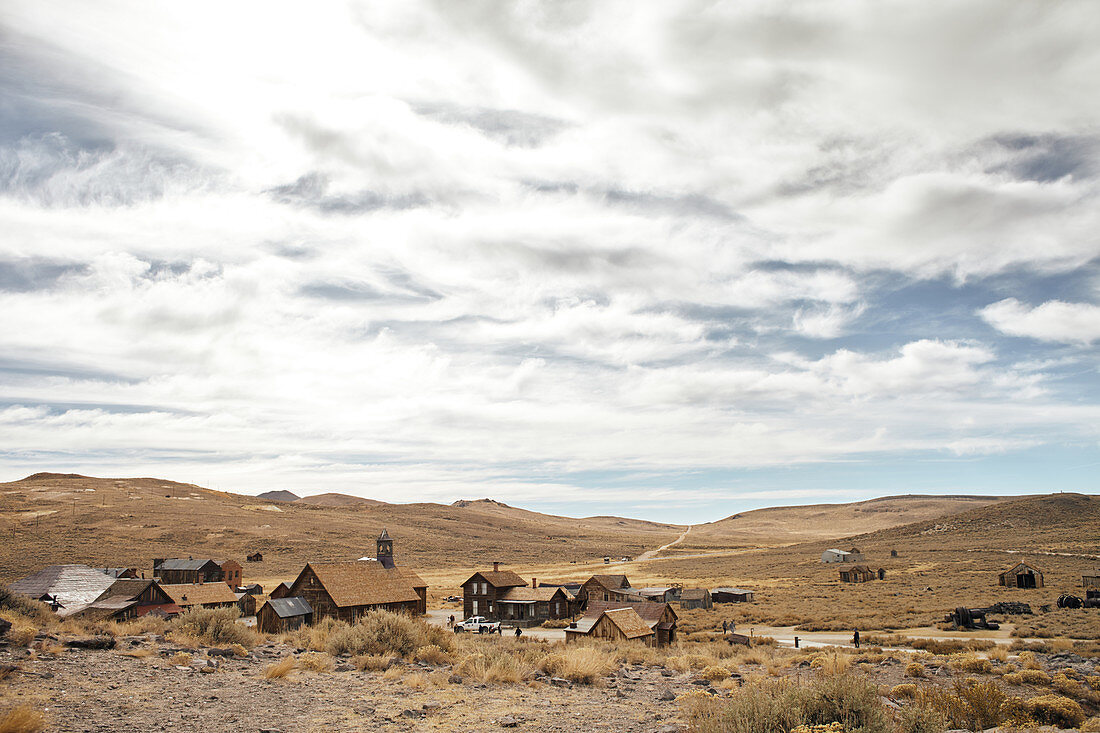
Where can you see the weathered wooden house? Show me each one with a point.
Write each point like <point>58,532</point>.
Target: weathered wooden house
<point>523,607</point>
<point>201,595</point>
<point>255,557</point>
<point>282,590</point>
<point>65,588</point>
<point>1021,575</point>
<point>174,571</point>
<point>615,588</point>
<point>130,598</point>
<point>284,614</point>
<point>731,595</point>
<point>618,625</point>
<point>483,590</point>
<point>348,589</point>
<point>857,574</point>
<point>696,598</point>
<point>661,594</point>
<point>232,572</point>
<point>659,618</point>
<point>246,602</point>
<point>1091,583</point>
<point>252,588</point>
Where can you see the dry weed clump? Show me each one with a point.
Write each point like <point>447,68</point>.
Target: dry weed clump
<point>432,654</point>
<point>904,691</point>
<point>914,669</point>
<point>22,719</point>
<point>180,659</point>
<point>372,662</point>
<point>972,663</point>
<point>998,654</point>
<point>279,670</point>
<point>831,664</point>
<point>21,634</point>
<point>383,632</point>
<point>951,646</point>
<point>494,663</point>
<point>585,664</point>
<point>1092,725</point>
<point>316,662</point>
<point>1047,710</point>
<point>214,627</point>
<point>17,606</point>
<point>1034,677</point>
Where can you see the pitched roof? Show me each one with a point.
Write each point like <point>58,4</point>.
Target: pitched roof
<point>179,563</point>
<point>611,582</point>
<point>628,622</point>
<point>1012,570</point>
<point>385,534</point>
<point>498,578</point>
<point>72,585</point>
<point>694,594</point>
<point>650,611</point>
<point>197,594</point>
<point>126,588</point>
<point>359,583</point>
<point>291,606</point>
<point>860,569</point>
<point>531,595</point>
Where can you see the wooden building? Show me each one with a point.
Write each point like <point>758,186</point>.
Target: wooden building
<point>282,590</point>
<point>857,574</point>
<point>130,598</point>
<point>482,591</point>
<point>246,602</point>
<point>838,556</point>
<point>232,572</point>
<point>523,607</point>
<point>621,624</point>
<point>255,557</point>
<point>696,598</point>
<point>659,619</point>
<point>1091,584</point>
<point>174,571</point>
<point>131,573</point>
<point>66,588</point>
<point>1021,575</point>
<point>347,590</point>
<point>201,595</point>
<point>608,588</point>
<point>284,614</point>
<point>661,594</point>
<point>731,595</point>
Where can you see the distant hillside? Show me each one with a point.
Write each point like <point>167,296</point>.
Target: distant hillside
<point>49,519</point>
<point>334,500</point>
<point>784,525</point>
<point>278,496</point>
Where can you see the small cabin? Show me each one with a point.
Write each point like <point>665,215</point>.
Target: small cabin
<point>731,595</point>
<point>858,574</point>
<point>658,617</point>
<point>284,614</point>
<point>1021,575</point>
<point>282,590</point>
<point>246,602</point>
<point>840,556</point>
<point>696,598</point>
<point>255,557</point>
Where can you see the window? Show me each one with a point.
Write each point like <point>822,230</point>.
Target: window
<point>474,610</point>
<point>484,589</point>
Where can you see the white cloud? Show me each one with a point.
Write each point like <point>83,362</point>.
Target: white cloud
<point>1054,320</point>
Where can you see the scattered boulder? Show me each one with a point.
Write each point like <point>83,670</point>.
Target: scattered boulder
<point>509,721</point>
<point>92,642</point>
<point>666,695</point>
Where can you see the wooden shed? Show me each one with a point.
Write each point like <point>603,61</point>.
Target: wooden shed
<point>731,595</point>
<point>659,617</point>
<point>255,557</point>
<point>696,598</point>
<point>1091,583</point>
<point>246,602</point>
<point>282,590</point>
<point>284,614</point>
<point>857,574</point>
<point>1021,575</point>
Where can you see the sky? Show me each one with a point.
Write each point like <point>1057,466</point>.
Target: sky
<point>665,260</point>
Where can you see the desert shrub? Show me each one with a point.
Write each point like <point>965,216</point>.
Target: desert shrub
<point>914,669</point>
<point>18,605</point>
<point>848,699</point>
<point>834,663</point>
<point>1092,725</point>
<point>906,690</point>
<point>316,662</point>
<point>585,664</point>
<point>1013,678</point>
<point>22,719</point>
<point>279,670</point>
<point>920,718</point>
<point>952,646</point>
<point>985,703</point>
<point>1047,710</point>
<point>972,663</point>
<point>763,707</point>
<point>180,659</point>
<point>714,673</point>
<point>493,663</point>
<point>998,654</point>
<point>1027,660</point>
<point>1034,677</point>
<point>432,654</point>
<point>371,662</point>
<point>383,632</point>
<point>214,627</point>
<point>1093,681</point>
<point>21,634</point>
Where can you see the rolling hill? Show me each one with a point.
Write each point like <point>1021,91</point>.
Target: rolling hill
<point>789,524</point>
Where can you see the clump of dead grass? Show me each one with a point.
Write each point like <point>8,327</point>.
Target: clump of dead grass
<point>316,662</point>
<point>432,654</point>
<point>371,662</point>
<point>23,719</point>
<point>214,627</point>
<point>180,659</point>
<point>584,664</point>
<point>914,669</point>
<point>383,632</point>
<point>279,670</point>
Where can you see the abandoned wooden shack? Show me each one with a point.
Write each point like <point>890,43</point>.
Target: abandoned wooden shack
<point>1021,575</point>
<point>658,617</point>
<point>524,607</point>
<point>661,594</point>
<point>175,571</point>
<point>857,574</point>
<point>252,588</point>
<point>130,598</point>
<point>284,614</point>
<point>482,591</point>
<point>66,588</point>
<point>254,557</point>
<point>696,598</point>
<point>618,625</point>
<point>201,595</point>
<point>282,590</point>
<point>246,603</point>
<point>1091,584</point>
<point>607,588</point>
<point>731,595</point>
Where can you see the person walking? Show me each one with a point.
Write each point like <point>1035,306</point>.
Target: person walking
<point>855,638</point>
<point>519,632</point>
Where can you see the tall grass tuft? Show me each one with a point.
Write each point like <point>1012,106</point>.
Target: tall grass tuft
<point>280,669</point>
<point>585,664</point>
<point>22,719</point>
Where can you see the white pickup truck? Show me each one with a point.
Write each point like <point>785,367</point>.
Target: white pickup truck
<point>480,624</point>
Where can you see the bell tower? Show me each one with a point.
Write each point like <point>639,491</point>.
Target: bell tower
<point>384,553</point>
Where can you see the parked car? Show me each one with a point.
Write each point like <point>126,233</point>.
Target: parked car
<point>480,624</point>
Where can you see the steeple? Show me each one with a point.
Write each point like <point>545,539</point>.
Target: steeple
<point>384,553</point>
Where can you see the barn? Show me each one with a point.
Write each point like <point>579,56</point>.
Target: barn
<point>1021,575</point>
<point>284,614</point>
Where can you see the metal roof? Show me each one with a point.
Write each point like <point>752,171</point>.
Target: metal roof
<point>73,586</point>
<point>291,606</point>
<point>177,563</point>
<point>729,590</point>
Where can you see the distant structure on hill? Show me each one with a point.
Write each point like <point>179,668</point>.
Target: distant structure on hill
<point>1021,575</point>
<point>852,555</point>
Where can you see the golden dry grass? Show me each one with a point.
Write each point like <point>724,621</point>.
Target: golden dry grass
<point>316,662</point>
<point>279,670</point>
<point>22,719</point>
<point>180,659</point>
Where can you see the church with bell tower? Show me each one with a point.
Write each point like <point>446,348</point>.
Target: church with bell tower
<point>384,550</point>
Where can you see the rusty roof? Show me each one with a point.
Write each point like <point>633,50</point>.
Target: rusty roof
<point>198,594</point>
<point>365,583</point>
<point>531,595</point>
<point>498,578</point>
<point>628,622</point>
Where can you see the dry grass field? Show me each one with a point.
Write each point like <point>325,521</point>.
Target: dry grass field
<point>49,519</point>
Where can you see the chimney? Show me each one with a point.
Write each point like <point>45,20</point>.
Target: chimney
<point>534,582</point>
<point>496,567</point>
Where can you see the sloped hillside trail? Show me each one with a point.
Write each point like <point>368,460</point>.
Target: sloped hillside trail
<point>650,554</point>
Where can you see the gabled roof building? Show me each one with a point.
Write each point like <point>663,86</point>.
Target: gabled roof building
<point>66,588</point>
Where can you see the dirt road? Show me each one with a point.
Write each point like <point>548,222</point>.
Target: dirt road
<point>650,554</point>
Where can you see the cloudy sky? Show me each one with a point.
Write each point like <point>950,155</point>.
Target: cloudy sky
<point>668,260</point>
